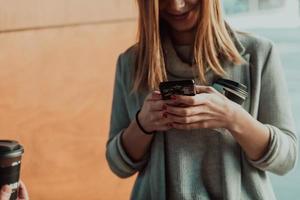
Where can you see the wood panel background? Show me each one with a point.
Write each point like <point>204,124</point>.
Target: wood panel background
<point>16,14</point>
<point>56,84</point>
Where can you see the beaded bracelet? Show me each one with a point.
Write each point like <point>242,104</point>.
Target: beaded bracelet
<point>140,126</point>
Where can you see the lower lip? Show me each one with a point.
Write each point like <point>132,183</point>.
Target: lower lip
<point>181,17</point>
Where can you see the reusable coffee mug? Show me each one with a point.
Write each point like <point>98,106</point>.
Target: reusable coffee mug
<point>234,91</point>
<point>10,164</point>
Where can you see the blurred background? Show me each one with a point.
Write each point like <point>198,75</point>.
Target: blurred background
<point>57,64</point>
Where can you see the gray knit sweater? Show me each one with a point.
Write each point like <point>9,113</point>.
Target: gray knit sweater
<point>222,169</point>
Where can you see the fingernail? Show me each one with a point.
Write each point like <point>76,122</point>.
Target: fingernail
<point>6,189</point>
<point>164,107</point>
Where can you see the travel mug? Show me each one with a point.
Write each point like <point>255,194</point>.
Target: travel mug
<point>10,163</point>
<point>234,91</point>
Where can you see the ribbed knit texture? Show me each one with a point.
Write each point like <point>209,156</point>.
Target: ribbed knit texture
<point>193,158</point>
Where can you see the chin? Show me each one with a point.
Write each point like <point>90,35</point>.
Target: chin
<point>183,27</point>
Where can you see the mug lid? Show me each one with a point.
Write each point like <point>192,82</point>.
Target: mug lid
<point>10,148</point>
<point>239,87</point>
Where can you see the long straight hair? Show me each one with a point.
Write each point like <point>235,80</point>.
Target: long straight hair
<point>212,42</point>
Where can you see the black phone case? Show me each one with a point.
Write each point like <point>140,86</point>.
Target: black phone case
<point>182,87</point>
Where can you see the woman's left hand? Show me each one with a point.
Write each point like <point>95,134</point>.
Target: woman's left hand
<point>6,191</point>
<point>208,109</point>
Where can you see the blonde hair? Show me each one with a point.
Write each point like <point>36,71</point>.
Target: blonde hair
<point>212,42</point>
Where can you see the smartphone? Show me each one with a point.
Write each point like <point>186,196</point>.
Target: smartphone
<point>182,87</point>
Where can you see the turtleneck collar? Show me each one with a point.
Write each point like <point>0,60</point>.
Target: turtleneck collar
<point>175,66</point>
<point>178,68</point>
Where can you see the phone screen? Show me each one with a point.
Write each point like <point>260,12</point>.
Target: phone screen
<point>182,87</point>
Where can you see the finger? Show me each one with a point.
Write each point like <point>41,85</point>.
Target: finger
<point>205,89</point>
<point>170,102</point>
<point>190,119</point>
<point>207,124</point>
<point>165,120</point>
<point>163,124</point>
<point>156,116</point>
<point>191,100</point>
<point>23,193</point>
<point>157,105</point>
<point>188,111</point>
<point>160,118</point>
<point>5,192</point>
<point>154,96</point>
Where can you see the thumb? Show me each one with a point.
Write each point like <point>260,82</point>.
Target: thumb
<point>23,193</point>
<point>154,95</point>
<point>5,192</point>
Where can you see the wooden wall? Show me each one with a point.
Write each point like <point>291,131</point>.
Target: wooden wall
<point>57,64</point>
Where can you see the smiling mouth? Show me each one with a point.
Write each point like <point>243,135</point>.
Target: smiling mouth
<point>179,17</point>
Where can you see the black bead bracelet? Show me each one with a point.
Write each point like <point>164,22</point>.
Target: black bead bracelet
<point>140,126</point>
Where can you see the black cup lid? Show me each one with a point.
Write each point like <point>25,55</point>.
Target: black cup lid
<point>10,149</point>
<point>233,85</point>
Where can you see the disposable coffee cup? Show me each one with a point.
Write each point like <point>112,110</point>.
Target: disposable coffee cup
<point>10,164</point>
<point>234,91</point>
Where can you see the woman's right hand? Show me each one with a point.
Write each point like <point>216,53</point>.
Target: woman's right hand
<point>5,192</point>
<point>152,116</point>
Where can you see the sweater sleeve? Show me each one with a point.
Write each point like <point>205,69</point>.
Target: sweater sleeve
<point>119,162</point>
<point>275,112</point>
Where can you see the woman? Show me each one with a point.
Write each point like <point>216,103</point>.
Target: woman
<point>212,148</point>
